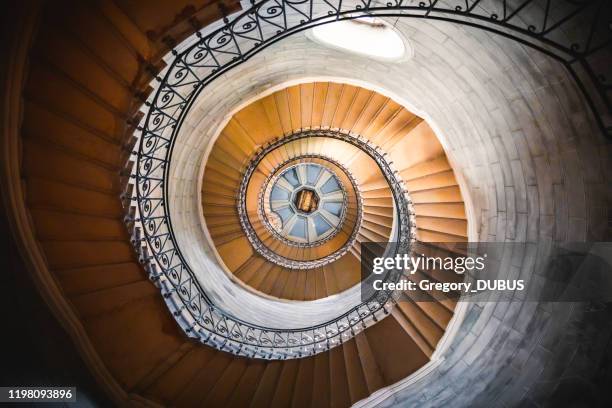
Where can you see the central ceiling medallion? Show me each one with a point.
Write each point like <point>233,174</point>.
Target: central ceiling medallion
<point>306,203</point>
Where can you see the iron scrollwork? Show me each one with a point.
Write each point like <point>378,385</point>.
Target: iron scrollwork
<point>266,23</point>
<point>248,228</point>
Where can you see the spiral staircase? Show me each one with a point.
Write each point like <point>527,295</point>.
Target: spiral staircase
<point>90,77</point>
<point>410,144</point>
<point>71,158</point>
<point>73,205</point>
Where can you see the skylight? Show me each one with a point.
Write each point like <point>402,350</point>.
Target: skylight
<point>365,36</point>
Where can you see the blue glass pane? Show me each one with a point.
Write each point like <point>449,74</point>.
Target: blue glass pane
<point>330,185</point>
<point>279,193</point>
<point>312,174</point>
<point>334,208</point>
<point>321,226</point>
<point>285,213</point>
<point>299,229</point>
<point>292,178</point>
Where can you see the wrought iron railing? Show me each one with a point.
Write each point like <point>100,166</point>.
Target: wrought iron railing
<point>266,23</point>
<point>245,221</point>
<point>549,26</point>
<point>152,232</point>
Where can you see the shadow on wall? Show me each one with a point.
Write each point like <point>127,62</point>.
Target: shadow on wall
<point>579,393</point>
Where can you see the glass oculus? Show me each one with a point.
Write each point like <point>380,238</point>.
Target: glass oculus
<point>307,203</point>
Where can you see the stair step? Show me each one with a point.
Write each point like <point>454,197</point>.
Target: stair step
<point>271,277</point>
<point>434,236</point>
<point>248,384</point>
<point>177,378</point>
<point>428,167</point>
<point>197,390</point>
<point>177,355</point>
<point>386,222</point>
<point>222,220</point>
<point>450,194</point>
<point>82,280</point>
<point>444,225</point>
<point>441,210</point>
<point>386,202</point>
<point>427,327</point>
<point>339,386</point>
<point>433,181</point>
<point>246,271</point>
<point>347,271</point>
<point>371,372</point>
<point>219,200</point>
<point>236,252</point>
<point>58,166</point>
<point>399,133</point>
<point>280,282</point>
<point>406,357</point>
<point>80,254</point>
<point>62,226</point>
<point>104,300</point>
<point>226,384</point>
<point>227,238</point>
<point>377,228</point>
<point>413,332</point>
<point>357,385</point>
<point>219,231</point>
<point>53,194</point>
<point>286,384</point>
<point>386,114</point>
<point>267,384</point>
<point>383,192</point>
<point>422,144</point>
<point>321,390</point>
<point>302,392</point>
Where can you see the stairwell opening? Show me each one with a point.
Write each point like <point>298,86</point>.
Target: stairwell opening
<point>306,200</point>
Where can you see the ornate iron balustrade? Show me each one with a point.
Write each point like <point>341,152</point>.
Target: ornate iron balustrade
<point>248,228</point>
<point>546,25</point>
<point>200,318</point>
<point>250,32</point>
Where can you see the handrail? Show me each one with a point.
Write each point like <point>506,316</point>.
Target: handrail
<point>264,24</point>
<point>248,228</point>
<point>219,329</point>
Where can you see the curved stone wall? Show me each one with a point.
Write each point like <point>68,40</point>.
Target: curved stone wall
<point>530,159</point>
